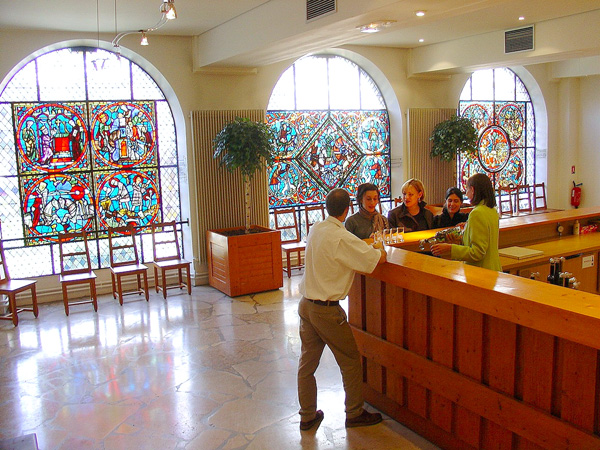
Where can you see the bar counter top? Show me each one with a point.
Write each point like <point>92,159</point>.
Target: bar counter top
<point>514,230</point>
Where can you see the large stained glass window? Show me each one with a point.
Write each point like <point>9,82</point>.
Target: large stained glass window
<point>497,102</point>
<point>87,142</point>
<point>332,130</point>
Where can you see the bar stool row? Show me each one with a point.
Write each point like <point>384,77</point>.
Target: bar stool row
<point>76,268</point>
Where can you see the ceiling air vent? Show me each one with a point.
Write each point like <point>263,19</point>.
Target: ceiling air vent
<point>319,8</point>
<point>518,40</point>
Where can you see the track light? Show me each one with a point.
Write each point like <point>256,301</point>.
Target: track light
<point>167,11</point>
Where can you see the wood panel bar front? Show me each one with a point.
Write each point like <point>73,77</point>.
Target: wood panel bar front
<point>472,358</point>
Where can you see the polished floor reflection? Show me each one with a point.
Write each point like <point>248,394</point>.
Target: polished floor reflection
<point>197,372</point>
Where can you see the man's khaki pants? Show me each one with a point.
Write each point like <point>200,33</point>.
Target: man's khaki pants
<point>320,326</point>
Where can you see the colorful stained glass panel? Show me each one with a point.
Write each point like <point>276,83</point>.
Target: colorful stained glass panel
<point>319,151</point>
<point>51,137</point>
<point>127,196</point>
<point>56,203</point>
<point>506,146</point>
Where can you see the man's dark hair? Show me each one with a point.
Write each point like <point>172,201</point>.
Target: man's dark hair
<point>337,201</point>
<point>482,190</point>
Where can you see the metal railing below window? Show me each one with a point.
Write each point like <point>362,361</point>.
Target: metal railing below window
<point>26,261</point>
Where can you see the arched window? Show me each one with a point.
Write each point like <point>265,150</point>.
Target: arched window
<point>497,102</point>
<point>332,130</point>
<point>87,142</point>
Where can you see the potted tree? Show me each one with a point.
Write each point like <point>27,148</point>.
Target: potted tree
<point>244,260</point>
<point>453,136</point>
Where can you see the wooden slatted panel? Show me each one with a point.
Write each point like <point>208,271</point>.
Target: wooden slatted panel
<point>468,361</point>
<point>442,352</point>
<point>578,393</point>
<point>500,347</point>
<point>416,341</point>
<point>220,194</point>
<point>535,361</point>
<point>374,325</point>
<point>437,175</point>
<point>394,307</point>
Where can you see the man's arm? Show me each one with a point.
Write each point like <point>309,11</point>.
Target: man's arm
<point>383,257</point>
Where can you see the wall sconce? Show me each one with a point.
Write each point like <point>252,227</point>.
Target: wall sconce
<point>167,11</point>
<point>375,27</point>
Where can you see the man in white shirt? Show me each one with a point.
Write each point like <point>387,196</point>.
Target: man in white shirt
<point>333,255</point>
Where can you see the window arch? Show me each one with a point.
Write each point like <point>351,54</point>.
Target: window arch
<point>498,103</point>
<point>332,130</point>
<point>89,142</point>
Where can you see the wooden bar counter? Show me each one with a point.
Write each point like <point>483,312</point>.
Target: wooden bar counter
<point>472,358</point>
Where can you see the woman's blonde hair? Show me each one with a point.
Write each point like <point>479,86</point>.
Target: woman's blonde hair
<point>416,184</point>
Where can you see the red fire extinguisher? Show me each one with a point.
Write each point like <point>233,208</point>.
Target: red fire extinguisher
<point>576,195</point>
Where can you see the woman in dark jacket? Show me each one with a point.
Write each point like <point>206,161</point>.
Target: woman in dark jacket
<point>411,214</point>
<point>451,215</point>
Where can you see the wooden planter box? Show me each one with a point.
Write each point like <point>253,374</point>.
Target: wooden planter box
<point>246,263</point>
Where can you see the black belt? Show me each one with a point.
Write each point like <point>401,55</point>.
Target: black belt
<point>324,303</point>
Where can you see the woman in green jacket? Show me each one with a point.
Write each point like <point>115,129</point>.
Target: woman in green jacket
<point>480,239</point>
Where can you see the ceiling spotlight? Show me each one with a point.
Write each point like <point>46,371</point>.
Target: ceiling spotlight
<point>167,12</point>
<point>521,17</point>
<point>374,27</point>
<point>419,13</point>
<point>421,40</point>
<point>168,9</point>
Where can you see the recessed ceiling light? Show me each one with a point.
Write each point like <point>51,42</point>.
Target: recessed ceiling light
<point>419,13</point>
<point>521,17</point>
<point>374,27</point>
<point>421,40</point>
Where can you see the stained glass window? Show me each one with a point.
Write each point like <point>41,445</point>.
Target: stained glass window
<point>88,141</point>
<point>332,130</point>
<point>498,104</point>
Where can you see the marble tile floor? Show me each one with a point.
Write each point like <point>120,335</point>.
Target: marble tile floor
<point>194,372</point>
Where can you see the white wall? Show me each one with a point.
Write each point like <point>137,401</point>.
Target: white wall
<point>588,168</point>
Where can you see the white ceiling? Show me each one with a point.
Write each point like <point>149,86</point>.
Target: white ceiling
<point>445,20</point>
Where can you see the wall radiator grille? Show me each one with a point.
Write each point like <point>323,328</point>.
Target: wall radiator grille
<point>220,194</point>
<point>437,175</point>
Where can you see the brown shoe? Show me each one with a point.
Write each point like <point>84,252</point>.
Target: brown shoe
<point>364,420</point>
<point>311,423</point>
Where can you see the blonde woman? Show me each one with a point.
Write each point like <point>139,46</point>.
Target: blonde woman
<point>412,214</point>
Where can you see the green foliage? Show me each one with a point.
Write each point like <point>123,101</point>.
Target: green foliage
<point>244,145</point>
<point>452,136</point>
